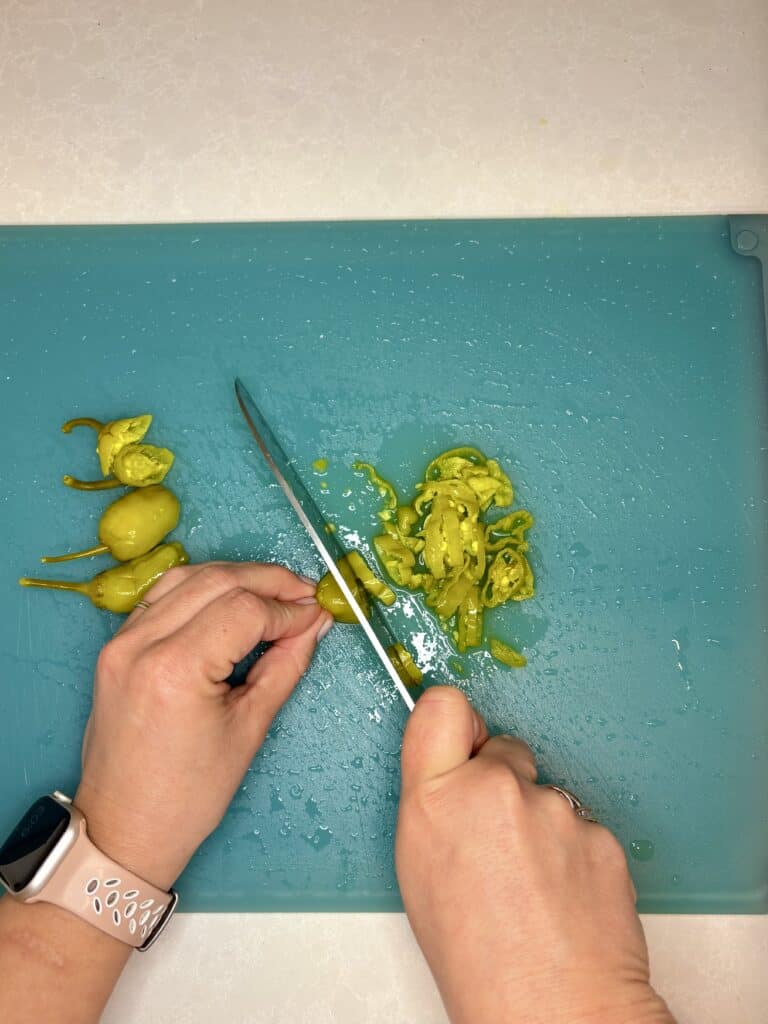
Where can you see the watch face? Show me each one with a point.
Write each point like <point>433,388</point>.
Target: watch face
<point>31,842</point>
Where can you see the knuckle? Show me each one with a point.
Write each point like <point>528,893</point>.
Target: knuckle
<point>427,803</point>
<point>244,602</point>
<point>607,848</point>
<point>114,657</point>
<point>215,575</point>
<point>503,785</point>
<point>158,667</point>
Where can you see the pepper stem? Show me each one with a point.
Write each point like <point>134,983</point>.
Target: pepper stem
<point>91,485</point>
<point>81,588</point>
<point>82,421</point>
<point>100,549</point>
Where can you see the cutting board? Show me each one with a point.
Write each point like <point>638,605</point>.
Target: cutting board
<point>618,370</point>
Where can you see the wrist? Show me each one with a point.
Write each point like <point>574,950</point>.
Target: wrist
<point>608,1002</point>
<point>558,1000</point>
<point>131,840</point>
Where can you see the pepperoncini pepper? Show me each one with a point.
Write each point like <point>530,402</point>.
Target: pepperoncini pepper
<point>119,589</point>
<point>330,596</point>
<point>440,545</point>
<point>364,585</point>
<point>135,465</point>
<point>132,525</point>
<point>405,666</point>
<point>506,655</point>
<point>112,436</point>
<point>361,581</point>
<point>509,578</point>
<point>132,464</point>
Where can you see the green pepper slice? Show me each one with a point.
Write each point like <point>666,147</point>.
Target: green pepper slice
<point>505,654</point>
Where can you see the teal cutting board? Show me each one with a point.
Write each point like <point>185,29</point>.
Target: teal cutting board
<point>618,370</point>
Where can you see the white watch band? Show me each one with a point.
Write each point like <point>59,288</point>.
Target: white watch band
<point>89,884</point>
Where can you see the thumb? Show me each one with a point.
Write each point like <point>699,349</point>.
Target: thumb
<point>443,732</point>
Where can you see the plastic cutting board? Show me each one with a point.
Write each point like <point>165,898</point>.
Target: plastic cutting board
<point>617,368</point>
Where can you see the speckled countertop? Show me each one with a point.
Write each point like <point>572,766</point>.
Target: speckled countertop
<point>161,110</point>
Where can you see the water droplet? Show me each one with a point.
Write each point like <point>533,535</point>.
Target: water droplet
<point>642,849</point>
<point>320,838</point>
<point>578,550</point>
<point>275,800</point>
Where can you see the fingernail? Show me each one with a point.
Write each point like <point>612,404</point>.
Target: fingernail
<point>308,581</point>
<point>324,629</point>
<point>477,724</point>
<point>307,600</point>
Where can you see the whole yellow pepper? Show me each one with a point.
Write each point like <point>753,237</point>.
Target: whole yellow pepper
<point>132,525</point>
<point>119,589</point>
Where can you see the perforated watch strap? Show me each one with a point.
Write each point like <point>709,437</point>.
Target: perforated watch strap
<point>92,886</point>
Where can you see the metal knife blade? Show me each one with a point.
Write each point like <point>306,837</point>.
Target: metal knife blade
<point>375,629</point>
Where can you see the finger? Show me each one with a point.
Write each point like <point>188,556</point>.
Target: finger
<point>442,733</point>
<point>273,678</point>
<point>229,627</point>
<point>512,752</point>
<point>185,590</point>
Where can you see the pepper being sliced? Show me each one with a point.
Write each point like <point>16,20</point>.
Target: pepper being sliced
<point>406,667</point>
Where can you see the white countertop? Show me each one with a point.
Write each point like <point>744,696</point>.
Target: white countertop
<point>160,110</point>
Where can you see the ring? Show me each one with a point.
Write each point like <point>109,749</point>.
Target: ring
<point>580,809</point>
<point>141,604</point>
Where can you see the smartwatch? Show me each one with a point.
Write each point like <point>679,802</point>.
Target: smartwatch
<point>49,858</point>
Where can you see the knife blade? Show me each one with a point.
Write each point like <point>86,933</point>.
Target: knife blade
<point>376,629</point>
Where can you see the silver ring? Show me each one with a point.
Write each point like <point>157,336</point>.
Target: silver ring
<point>141,604</point>
<point>580,809</point>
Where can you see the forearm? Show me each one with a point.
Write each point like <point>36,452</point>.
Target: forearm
<point>54,967</point>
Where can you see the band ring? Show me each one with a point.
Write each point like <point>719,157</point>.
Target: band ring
<point>141,604</point>
<point>580,809</point>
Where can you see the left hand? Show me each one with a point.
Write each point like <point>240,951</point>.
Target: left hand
<point>169,741</point>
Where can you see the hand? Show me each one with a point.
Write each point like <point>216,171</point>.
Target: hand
<point>168,741</point>
<point>524,911</point>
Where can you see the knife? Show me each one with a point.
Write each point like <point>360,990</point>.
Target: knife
<point>376,629</point>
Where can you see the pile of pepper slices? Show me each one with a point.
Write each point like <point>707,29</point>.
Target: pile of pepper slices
<point>440,545</point>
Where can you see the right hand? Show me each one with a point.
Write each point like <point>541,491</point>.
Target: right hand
<point>524,911</point>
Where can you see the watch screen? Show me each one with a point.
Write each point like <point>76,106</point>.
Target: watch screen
<point>30,843</point>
